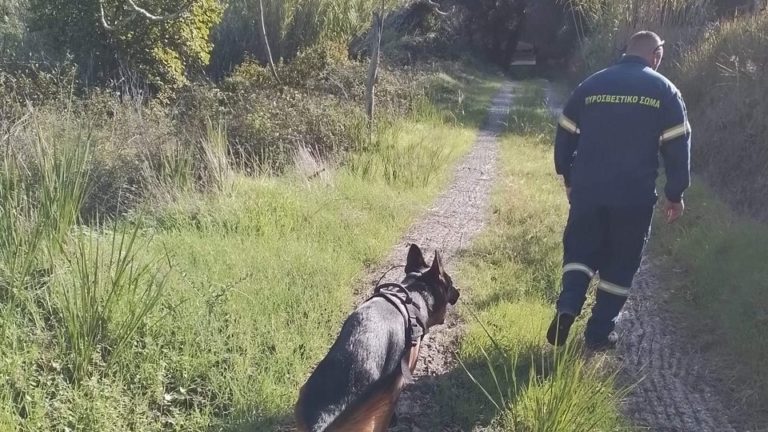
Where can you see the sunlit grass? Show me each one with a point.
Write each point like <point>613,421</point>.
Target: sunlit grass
<point>713,266</point>
<point>204,310</point>
<point>514,380</point>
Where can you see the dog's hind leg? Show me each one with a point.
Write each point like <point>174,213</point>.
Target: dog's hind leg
<point>373,413</point>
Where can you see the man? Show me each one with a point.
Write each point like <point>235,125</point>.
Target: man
<point>610,134</point>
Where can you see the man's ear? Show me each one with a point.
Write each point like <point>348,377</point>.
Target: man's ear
<point>437,267</point>
<point>415,262</point>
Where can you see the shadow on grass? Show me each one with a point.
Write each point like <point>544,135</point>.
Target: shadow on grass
<point>462,402</point>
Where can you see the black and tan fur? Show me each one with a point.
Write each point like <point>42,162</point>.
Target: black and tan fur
<point>356,386</point>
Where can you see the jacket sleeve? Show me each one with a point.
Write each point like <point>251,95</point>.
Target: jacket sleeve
<point>567,137</point>
<point>676,147</point>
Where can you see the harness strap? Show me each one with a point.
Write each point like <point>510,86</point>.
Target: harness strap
<point>400,298</point>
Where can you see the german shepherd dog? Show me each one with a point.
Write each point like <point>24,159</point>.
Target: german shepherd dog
<point>356,386</point>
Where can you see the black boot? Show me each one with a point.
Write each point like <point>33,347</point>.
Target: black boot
<point>558,330</point>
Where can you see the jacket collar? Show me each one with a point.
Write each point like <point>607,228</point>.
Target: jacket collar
<point>634,59</point>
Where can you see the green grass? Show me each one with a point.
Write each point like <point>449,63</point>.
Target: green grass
<point>207,312</point>
<point>466,90</point>
<point>512,277</point>
<point>714,267</point>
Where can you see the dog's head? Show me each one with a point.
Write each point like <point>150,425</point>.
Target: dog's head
<point>437,281</point>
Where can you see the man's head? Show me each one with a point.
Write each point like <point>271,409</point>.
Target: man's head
<point>648,45</point>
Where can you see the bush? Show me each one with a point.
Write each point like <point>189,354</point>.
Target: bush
<point>145,149</point>
<point>608,25</point>
<point>324,93</point>
<point>315,62</point>
<point>164,53</point>
<point>726,91</point>
<point>127,140</point>
<point>35,84</point>
<point>263,136</point>
<point>292,26</point>
<point>11,27</point>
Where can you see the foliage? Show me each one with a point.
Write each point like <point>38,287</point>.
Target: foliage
<point>725,88</point>
<point>12,30</point>
<point>292,26</point>
<point>494,27</point>
<point>607,25</point>
<point>103,337</point>
<point>33,83</point>
<point>164,53</point>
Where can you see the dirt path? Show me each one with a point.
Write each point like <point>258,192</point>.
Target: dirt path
<point>676,391</point>
<point>456,217</point>
<point>673,389</point>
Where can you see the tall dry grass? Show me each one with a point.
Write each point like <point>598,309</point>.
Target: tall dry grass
<point>723,80</point>
<point>607,25</point>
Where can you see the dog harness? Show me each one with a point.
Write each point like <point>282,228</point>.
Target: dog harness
<point>415,329</point>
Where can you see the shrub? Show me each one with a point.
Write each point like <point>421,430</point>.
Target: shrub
<point>607,25</point>
<point>314,63</point>
<point>263,136</point>
<point>163,52</point>
<point>292,26</point>
<point>722,80</point>
<point>11,27</point>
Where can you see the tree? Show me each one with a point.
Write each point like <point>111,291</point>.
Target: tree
<point>11,26</point>
<point>164,41</point>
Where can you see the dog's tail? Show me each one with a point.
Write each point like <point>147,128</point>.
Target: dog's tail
<point>372,412</point>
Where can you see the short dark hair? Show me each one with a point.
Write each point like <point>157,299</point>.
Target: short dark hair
<point>644,42</point>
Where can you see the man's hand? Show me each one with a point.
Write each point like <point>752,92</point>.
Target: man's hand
<point>673,211</point>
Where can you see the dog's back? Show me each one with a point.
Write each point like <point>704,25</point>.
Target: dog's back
<point>358,375</point>
<point>356,386</point>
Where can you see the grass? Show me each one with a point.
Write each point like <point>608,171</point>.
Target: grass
<point>713,261</point>
<point>467,92</point>
<point>205,313</point>
<point>514,381</point>
<point>727,61</point>
<point>274,265</point>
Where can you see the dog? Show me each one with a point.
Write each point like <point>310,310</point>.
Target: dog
<point>356,386</point>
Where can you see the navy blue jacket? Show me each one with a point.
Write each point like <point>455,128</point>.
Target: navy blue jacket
<point>612,130</point>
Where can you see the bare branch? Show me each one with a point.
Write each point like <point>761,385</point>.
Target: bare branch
<point>143,12</point>
<point>436,7</point>
<point>373,69</point>
<point>104,22</point>
<point>266,43</point>
<point>136,10</point>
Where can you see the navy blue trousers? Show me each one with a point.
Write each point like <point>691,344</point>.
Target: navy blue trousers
<point>607,242</point>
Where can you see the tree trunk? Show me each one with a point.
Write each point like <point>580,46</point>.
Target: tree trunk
<point>373,70</point>
<point>266,43</point>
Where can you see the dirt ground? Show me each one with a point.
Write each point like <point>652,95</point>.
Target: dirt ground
<point>456,217</point>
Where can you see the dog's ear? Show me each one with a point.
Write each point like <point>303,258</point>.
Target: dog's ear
<point>415,262</point>
<point>436,271</point>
